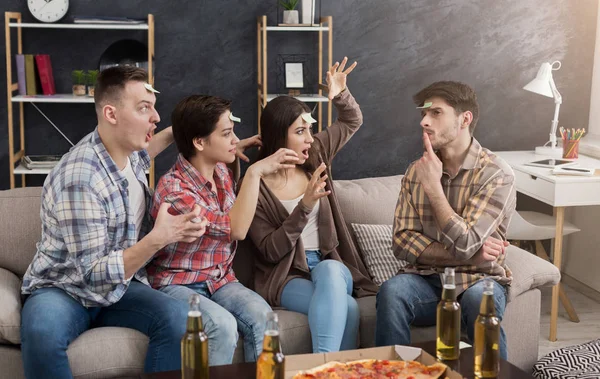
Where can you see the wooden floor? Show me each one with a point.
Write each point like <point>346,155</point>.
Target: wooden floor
<point>569,333</point>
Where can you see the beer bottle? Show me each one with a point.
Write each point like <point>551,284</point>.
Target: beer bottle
<point>271,362</point>
<point>448,319</point>
<point>194,344</point>
<point>487,335</point>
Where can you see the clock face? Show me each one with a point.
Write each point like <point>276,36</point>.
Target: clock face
<point>48,10</point>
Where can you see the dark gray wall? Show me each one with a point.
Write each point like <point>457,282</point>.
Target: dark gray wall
<point>209,46</point>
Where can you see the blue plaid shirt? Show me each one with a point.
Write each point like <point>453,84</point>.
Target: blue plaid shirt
<point>86,225</point>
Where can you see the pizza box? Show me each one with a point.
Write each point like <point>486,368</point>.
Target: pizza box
<point>301,362</point>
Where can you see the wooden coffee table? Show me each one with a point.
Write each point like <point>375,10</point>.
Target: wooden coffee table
<point>464,366</point>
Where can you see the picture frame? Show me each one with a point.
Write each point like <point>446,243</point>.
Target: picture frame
<point>294,75</point>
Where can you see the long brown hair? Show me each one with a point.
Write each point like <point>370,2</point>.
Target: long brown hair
<point>279,114</point>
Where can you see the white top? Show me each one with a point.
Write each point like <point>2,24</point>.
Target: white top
<point>310,234</point>
<point>137,198</point>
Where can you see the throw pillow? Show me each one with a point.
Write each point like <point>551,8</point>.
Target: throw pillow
<point>375,244</point>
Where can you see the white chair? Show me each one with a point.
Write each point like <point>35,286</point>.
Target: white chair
<point>536,226</point>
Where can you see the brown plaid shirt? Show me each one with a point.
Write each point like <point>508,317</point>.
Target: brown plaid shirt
<point>483,197</point>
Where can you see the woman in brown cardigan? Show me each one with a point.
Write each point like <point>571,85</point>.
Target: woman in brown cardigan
<point>307,261</point>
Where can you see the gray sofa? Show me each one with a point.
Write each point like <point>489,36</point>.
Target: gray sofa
<point>119,352</point>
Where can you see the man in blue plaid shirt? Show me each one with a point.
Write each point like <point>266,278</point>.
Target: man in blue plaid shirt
<point>96,238</point>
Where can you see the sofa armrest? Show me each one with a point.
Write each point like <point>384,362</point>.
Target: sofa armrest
<point>529,271</point>
<point>10,307</point>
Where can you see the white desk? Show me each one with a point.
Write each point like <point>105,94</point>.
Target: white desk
<point>557,191</point>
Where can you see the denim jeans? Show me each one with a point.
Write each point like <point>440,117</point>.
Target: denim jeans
<point>333,314</point>
<point>409,299</point>
<point>51,320</point>
<point>231,308</point>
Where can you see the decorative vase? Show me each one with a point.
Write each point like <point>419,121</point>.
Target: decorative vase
<point>290,17</point>
<point>79,89</point>
<point>91,90</point>
<point>308,12</point>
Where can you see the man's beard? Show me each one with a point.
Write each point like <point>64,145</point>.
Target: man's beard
<point>446,138</point>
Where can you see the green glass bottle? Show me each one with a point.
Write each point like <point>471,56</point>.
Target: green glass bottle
<point>194,344</point>
<point>448,320</point>
<point>487,335</point>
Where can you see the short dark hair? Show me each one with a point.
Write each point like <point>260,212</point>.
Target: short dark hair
<point>112,81</point>
<point>276,118</point>
<point>196,116</point>
<point>458,95</point>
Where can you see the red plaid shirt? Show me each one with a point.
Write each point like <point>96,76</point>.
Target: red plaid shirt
<point>209,259</point>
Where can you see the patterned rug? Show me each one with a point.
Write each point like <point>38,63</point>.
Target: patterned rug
<point>573,362</point>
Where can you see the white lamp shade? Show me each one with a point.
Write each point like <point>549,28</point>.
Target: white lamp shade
<point>541,83</point>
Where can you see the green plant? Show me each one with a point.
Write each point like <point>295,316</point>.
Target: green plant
<point>78,77</point>
<point>289,5</point>
<point>92,77</point>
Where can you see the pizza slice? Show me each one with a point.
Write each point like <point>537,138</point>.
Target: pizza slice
<point>374,369</point>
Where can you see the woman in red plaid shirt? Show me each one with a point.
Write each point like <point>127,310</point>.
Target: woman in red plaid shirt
<point>201,181</point>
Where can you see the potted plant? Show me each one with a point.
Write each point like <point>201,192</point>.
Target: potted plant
<point>290,14</point>
<point>92,77</point>
<point>78,82</point>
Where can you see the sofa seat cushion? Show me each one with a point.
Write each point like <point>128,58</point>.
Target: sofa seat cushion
<point>108,352</point>
<point>10,310</point>
<point>529,271</point>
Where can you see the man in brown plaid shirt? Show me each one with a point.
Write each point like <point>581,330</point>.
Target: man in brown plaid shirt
<point>454,207</point>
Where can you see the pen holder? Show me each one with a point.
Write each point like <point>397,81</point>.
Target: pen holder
<point>570,149</point>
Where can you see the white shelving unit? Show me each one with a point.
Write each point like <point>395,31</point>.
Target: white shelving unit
<point>325,25</point>
<point>58,98</point>
<point>297,28</point>
<point>12,22</point>
<point>81,26</point>
<point>307,98</point>
<point>22,170</point>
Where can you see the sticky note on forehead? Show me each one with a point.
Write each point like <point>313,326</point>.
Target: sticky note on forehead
<point>233,118</point>
<point>150,88</point>
<point>307,117</point>
<point>425,105</point>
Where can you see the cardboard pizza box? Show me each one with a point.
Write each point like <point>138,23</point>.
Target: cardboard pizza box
<point>301,362</point>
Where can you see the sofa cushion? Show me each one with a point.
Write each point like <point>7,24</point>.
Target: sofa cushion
<point>369,200</point>
<point>375,244</point>
<point>529,271</point>
<point>108,352</point>
<point>20,227</point>
<point>10,310</point>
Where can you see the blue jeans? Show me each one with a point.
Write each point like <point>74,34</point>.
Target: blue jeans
<point>231,308</point>
<point>51,320</point>
<point>409,299</point>
<point>333,314</point>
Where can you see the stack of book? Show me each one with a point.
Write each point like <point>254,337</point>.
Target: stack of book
<point>106,20</point>
<point>32,162</point>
